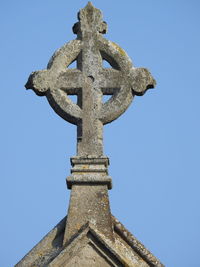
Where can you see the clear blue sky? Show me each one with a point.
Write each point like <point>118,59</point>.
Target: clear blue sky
<point>154,147</point>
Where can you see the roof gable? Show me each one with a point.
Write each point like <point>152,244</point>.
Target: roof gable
<point>89,244</point>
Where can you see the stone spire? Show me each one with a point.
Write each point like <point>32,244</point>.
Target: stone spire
<point>90,235</point>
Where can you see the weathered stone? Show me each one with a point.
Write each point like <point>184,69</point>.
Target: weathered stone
<point>125,251</point>
<point>90,81</point>
<point>90,235</point>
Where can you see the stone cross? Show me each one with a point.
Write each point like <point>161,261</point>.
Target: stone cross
<point>90,81</point>
<point>89,181</point>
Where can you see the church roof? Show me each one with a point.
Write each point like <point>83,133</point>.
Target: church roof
<point>126,250</point>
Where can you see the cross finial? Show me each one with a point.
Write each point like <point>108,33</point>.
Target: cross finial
<point>90,19</point>
<point>90,81</point>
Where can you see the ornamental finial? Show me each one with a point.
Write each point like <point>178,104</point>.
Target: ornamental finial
<point>90,19</point>
<point>90,235</point>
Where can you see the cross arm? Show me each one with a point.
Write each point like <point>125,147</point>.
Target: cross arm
<point>38,81</point>
<point>41,81</point>
<point>70,81</point>
<point>141,80</point>
<point>110,79</point>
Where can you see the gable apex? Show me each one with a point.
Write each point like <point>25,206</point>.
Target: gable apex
<point>125,251</point>
<point>87,248</point>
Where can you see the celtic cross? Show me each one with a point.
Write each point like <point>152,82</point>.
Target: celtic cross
<point>90,81</point>
<point>89,180</point>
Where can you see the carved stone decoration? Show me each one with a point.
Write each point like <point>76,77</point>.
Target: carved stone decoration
<point>90,81</point>
<point>90,235</point>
